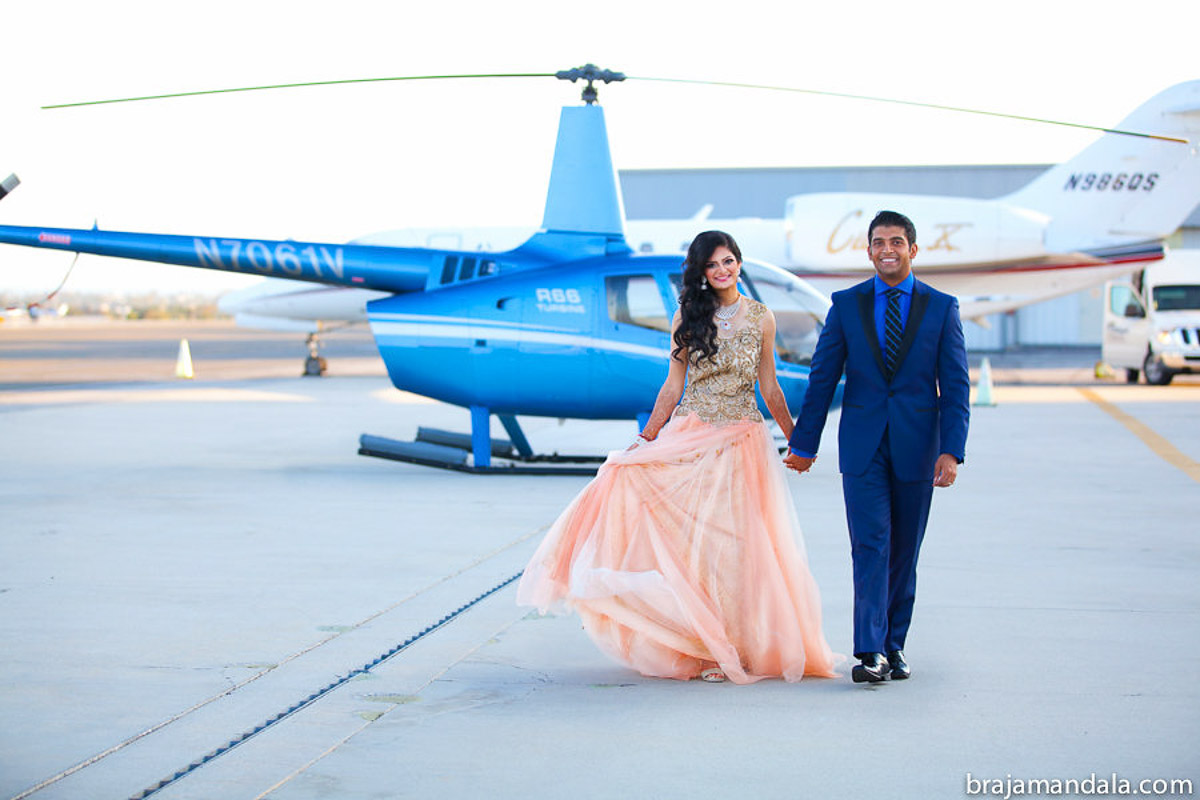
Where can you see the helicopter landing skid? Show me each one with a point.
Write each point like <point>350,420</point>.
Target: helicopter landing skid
<point>448,450</point>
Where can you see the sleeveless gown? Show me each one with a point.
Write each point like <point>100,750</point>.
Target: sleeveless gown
<point>685,553</point>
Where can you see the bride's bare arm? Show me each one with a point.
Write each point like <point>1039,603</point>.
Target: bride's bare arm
<point>768,383</point>
<point>671,391</point>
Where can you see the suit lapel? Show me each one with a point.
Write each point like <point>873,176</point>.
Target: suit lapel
<point>920,302</point>
<point>866,312</point>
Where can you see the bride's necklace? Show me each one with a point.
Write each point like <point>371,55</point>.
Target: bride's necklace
<point>726,313</point>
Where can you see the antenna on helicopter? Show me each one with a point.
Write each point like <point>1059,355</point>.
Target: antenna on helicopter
<point>589,73</point>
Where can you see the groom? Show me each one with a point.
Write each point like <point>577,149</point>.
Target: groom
<point>903,430</point>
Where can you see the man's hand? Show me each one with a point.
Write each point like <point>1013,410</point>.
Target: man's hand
<point>798,463</point>
<point>945,470</point>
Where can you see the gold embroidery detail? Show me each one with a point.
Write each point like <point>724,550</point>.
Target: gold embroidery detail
<point>722,389</point>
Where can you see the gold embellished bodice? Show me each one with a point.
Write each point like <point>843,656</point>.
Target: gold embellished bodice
<point>722,389</point>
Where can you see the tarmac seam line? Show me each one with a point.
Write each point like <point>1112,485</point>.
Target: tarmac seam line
<point>317,695</point>
<point>332,748</point>
<point>293,657</point>
<point>1159,445</point>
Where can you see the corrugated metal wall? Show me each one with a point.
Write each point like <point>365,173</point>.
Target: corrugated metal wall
<point>1072,320</point>
<point>677,194</point>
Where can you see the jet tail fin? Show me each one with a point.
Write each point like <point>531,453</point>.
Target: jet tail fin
<point>1124,189</point>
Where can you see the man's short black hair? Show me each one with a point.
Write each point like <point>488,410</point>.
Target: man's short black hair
<point>893,218</point>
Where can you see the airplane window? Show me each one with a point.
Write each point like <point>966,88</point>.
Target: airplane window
<point>635,300</point>
<point>448,269</point>
<point>467,270</point>
<point>799,309</point>
<point>1176,298</point>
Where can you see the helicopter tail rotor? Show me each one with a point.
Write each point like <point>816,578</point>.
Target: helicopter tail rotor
<point>8,184</point>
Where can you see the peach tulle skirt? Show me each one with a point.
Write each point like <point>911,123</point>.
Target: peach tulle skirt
<point>685,553</point>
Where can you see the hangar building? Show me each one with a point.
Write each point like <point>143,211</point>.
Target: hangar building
<point>1075,319</point>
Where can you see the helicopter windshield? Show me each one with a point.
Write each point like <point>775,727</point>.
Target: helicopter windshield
<point>799,309</point>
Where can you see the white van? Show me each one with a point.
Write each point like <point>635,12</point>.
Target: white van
<point>1152,321</point>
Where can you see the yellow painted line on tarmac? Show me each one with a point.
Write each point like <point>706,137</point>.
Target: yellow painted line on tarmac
<point>1160,446</point>
<point>191,395</point>
<point>1020,394</point>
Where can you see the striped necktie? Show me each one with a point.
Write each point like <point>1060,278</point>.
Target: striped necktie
<point>893,330</point>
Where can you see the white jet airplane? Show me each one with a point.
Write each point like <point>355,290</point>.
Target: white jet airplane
<point>1101,215</point>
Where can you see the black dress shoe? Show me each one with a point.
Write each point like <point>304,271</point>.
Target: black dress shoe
<point>900,669</point>
<point>873,669</point>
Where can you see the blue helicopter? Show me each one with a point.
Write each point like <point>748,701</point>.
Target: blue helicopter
<point>572,323</point>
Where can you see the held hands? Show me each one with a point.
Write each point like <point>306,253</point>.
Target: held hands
<point>798,463</point>
<point>945,470</point>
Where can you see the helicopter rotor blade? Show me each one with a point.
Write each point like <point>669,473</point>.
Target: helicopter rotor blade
<point>596,74</point>
<point>305,84</point>
<point>912,103</point>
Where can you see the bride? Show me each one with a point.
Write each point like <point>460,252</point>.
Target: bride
<point>684,557</point>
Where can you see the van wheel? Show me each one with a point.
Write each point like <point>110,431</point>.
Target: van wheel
<point>1131,375</point>
<point>1156,373</point>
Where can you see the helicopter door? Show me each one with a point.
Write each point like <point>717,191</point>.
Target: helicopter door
<point>554,366</point>
<point>637,328</point>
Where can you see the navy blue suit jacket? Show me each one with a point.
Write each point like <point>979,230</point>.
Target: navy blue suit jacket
<point>925,406</point>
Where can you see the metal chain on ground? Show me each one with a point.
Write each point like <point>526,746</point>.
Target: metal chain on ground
<point>88,762</point>
<point>317,695</point>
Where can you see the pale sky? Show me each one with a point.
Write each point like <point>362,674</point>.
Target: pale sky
<point>333,163</point>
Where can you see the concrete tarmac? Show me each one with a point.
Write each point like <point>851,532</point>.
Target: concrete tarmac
<point>205,593</point>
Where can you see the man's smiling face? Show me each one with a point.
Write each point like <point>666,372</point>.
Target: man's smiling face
<point>891,253</point>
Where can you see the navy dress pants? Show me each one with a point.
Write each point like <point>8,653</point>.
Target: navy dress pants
<point>886,517</point>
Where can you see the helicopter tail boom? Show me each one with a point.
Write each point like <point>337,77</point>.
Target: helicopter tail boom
<point>391,269</point>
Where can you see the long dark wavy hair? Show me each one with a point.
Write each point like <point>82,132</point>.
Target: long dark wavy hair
<point>697,333</point>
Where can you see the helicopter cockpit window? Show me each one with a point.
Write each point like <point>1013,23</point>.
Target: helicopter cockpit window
<point>467,270</point>
<point>448,269</point>
<point>635,300</point>
<point>799,309</point>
